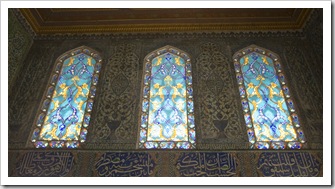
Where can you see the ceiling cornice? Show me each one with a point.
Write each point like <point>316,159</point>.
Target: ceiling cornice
<point>297,23</point>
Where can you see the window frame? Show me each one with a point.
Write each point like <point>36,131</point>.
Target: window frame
<point>293,114</point>
<point>48,95</point>
<point>147,71</point>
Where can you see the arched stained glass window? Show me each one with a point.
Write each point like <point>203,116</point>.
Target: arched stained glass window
<point>167,119</point>
<point>269,111</point>
<point>64,115</point>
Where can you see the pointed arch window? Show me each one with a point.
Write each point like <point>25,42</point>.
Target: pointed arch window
<point>64,114</point>
<point>167,119</point>
<point>269,111</point>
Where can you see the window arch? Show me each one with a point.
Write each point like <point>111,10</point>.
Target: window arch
<point>269,111</point>
<point>167,118</point>
<point>64,114</point>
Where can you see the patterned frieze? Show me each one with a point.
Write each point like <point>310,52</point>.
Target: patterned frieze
<point>57,163</point>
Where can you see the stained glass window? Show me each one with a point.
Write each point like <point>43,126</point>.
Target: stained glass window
<point>268,107</point>
<point>167,119</point>
<point>64,115</point>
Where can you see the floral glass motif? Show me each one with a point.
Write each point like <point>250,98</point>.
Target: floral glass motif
<point>268,109</point>
<point>167,119</point>
<point>65,112</point>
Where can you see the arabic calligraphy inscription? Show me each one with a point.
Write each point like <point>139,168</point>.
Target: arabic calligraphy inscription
<point>288,164</point>
<point>125,164</point>
<point>207,164</point>
<point>45,164</point>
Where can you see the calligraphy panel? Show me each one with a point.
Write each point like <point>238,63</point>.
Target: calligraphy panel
<point>269,111</point>
<point>125,164</point>
<point>208,164</point>
<point>288,164</point>
<point>45,164</point>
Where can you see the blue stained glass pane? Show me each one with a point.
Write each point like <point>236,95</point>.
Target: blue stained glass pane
<point>262,145</point>
<point>190,120</point>
<point>167,145</point>
<point>40,119</point>
<point>167,112</point>
<point>50,91</point>
<point>278,145</point>
<point>183,145</point>
<point>145,91</point>
<point>251,136</point>
<point>65,114</point>
<point>95,79</point>
<point>247,119</point>
<point>190,91</point>
<point>35,135</point>
<point>87,119</point>
<point>72,144</point>
<point>143,135</point>
<point>144,120</point>
<point>268,109</point>
<point>192,135</point>
<point>242,91</point>
<point>190,105</point>
<point>41,144</point>
<point>294,145</point>
<point>151,145</point>
<point>83,134</point>
<point>167,104</point>
<point>56,144</point>
<point>301,136</point>
<point>281,78</point>
<point>295,120</point>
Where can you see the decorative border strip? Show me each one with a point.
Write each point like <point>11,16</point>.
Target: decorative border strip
<point>287,97</point>
<point>40,118</point>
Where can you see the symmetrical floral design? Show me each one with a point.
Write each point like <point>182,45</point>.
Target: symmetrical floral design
<point>65,112</point>
<point>269,111</point>
<point>167,119</point>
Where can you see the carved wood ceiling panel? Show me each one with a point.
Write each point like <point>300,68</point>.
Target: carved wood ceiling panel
<point>72,20</point>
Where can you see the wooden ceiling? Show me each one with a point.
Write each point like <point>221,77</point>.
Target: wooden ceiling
<point>106,20</point>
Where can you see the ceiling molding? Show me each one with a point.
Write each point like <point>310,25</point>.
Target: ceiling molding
<point>39,22</point>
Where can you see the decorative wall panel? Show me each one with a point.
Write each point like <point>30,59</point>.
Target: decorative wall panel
<point>288,164</point>
<point>208,164</point>
<point>310,96</point>
<point>115,120</point>
<point>218,105</point>
<point>125,164</point>
<point>19,43</point>
<point>22,105</point>
<point>219,120</point>
<point>45,164</point>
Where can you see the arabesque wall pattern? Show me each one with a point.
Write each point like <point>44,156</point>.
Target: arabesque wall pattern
<point>222,143</point>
